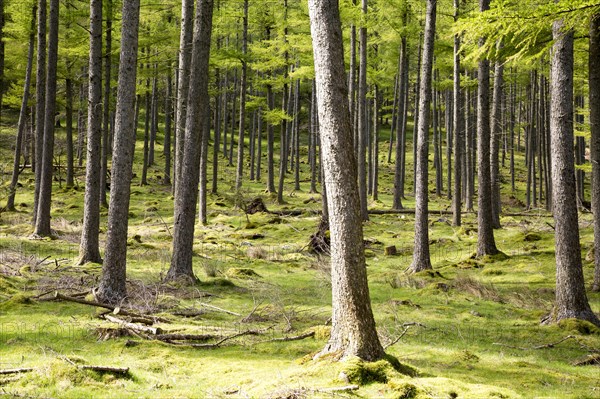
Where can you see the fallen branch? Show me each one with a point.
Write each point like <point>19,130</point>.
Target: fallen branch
<point>219,309</point>
<point>406,327</point>
<point>294,338</point>
<point>589,360</point>
<point>337,389</point>
<point>106,369</point>
<point>16,371</point>
<point>184,337</point>
<point>133,326</point>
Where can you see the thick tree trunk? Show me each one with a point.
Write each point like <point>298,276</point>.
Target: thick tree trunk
<point>40,101</point>
<point>571,299</point>
<point>10,204</point>
<point>353,330</point>
<point>197,114</point>
<point>185,49</point>
<point>485,232</point>
<point>421,257</point>
<point>42,222</point>
<point>112,288</point>
<point>89,247</point>
<point>594,87</point>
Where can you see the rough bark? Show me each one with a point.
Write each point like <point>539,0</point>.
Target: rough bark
<point>89,247</point>
<point>571,299</point>
<point>185,49</point>
<point>353,326</point>
<point>106,106</point>
<point>485,232</point>
<point>40,100</point>
<point>198,112</point>
<point>421,257</point>
<point>69,129</point>
<point>112,288</point>
<point>42,222</point>
<point>168,119</point>
<point>361,132</point>
<point>594,87</point>
<point>10,204</point>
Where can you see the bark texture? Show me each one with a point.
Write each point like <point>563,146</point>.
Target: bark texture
<point>112,287</point>
<point>594,85</point>
<point>421,256</point>
<point>571,299</point>
<point>89,249</point>
<point>353,326</point>
<point>186,193</point>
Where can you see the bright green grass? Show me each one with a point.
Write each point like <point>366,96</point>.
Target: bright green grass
<point>473,314</point>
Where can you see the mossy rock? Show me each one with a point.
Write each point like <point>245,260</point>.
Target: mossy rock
<point>241,272</point>
<point>531,237</point>
<point>583,327</point>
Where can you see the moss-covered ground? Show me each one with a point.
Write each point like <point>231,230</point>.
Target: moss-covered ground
<point>470,329</point>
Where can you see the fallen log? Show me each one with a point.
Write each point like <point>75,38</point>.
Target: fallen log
<point>133,326</point>
<point>294,338</point>
<point>16,371</point>
<point>185,337</point>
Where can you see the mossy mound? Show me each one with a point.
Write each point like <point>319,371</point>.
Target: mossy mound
<point>403,390</point>
<point>241,272</point>
<point>16,301</point>
<point>500,256</point>
<point>429,273</point>
<point>583,327</point>
<point>531,237</point>
<point>359,372</point>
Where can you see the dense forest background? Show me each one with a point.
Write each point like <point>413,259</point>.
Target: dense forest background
<point>232,198</point>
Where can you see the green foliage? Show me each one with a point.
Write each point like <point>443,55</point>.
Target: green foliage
<point>579,326</point>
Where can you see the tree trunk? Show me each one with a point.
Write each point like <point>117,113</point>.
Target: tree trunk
<point>571,299</point>
<point>270,144</point>
<point>416,113</point>
<point>89,247</point>
<point>495,143</point>
<point>421,257</point>
<point>69,131</point>
<point>217,127</point>
<point>361,133</point>
<point>375,151</point>
<point>42,222</point>
<point>153,118</point>
<point>486,244</point>
<point>353,330</point>
<point>106,105</point>
<point>243,88</point>
<point>112,288</point>
<point>185,49</point>
<point>80,125</point>
<point>40,101</point>
<point>198,112</point>
<point>400,126</point>
<point>148,112</point>
<point>457,120</point>
<point>10,204</point>
<point>594,87</point>
<point>168,119</point>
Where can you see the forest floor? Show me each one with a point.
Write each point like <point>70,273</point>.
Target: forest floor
<point>471,328</point>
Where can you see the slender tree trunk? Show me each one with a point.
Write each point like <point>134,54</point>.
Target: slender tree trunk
<point>243,89</point>
<point>10,204</point>
<point>353,330</point>
<point>314,134</point>
<point>69,131</point>
<point>89,247</point>
<point>112,288</point>
<point>421,257</point>
<point>495,143</point>
<point>80,126</point>
<point>571,299</point>
<point>153,118</point>
<point>437,164</point>
<point>106,108</point>
<point>457,119</point>
<point>258,149</point>
<point>283,146</point>
<point>197,115</point>
<point>217,140</point>
<point>40,101</point>
<point>168,119</point>
<point>270,144</point>
<point>594,88</point>
<point>400,123</point>
<point>144,180</point>
<point>375,157</point>
<point>185,49</point>
<point>417,113</point>
<point>361,133</point>
<point>42,223</point>
<point>486,244</point>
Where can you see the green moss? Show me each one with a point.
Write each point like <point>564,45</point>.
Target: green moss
<point>16,301</point>
<point>241,272</point>
<point>583,327</point>
<point>492,272</point>
<point>360,372</point>
<point>403,390</point>
<point>530,237</point>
